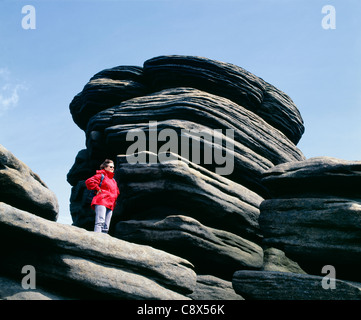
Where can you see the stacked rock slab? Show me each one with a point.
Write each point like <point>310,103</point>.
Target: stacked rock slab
<point>183,204</point>
<point>317,206</point>
<point>23,189</point>
<point>74,263</point>
<point>314,216</point>
<point>43,259</point>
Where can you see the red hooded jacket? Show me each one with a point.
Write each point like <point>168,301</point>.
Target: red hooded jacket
<point>109,189</point>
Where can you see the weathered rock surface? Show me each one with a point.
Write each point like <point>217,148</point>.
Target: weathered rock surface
<point>184,209</point>
<point>82,167</point>
<point>85,264</point>
<point>198,107</point>
<point>22,188</point>
<point>213,288</point>
<point>316,219</point>
<point>316,232</point>
<point>276,260</point>
<point>13,290</point>
<point>81,212</point>
<point>111,86</point>
<point>257,145</point>
<point>72,263</point>
<point>178,186</point>
<point>210,250</point>
<point>106,89</point>
<point>184,227</point>
<point>267,285</point>
<point>229,81</point>
<point>314,177</point>
<point>178,196</point>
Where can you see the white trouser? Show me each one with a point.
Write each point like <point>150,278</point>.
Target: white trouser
<point>102,218</point>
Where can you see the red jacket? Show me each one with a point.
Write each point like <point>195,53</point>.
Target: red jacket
<point>109,189</point>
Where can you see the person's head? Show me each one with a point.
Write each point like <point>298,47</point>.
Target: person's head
<point>107,165</point>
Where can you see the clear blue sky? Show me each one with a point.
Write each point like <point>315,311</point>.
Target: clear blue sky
<point>281,41</point>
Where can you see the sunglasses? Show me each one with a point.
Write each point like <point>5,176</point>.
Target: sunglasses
<point>112,167</point>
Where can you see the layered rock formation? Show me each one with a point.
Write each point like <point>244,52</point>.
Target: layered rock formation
<point>69,262</point>
<point>229,81</point>
<point>23,189</point>
<point>314,217</point>
<point>275,285</point>
<point>79,264</point>
<point>217,202</point>
<point>180,196</point>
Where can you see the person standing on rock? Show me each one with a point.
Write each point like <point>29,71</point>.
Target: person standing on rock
<point>107,192</point>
